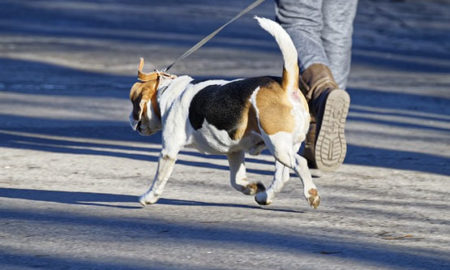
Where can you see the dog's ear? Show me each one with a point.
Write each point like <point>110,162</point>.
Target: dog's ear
<point>144,91</point>
<point>137,101</point>
<point>140,94</point>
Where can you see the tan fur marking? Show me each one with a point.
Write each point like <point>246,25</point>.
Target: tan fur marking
<point>248,122</point>
<point>313,192</point>
<point>252,123</point>
<point>253,188</point>
<point>314,199</point>
<point>286,82</point>
<point>274,109</point>
<point>140,94</point>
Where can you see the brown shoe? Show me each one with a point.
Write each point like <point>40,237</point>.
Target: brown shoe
<point>325,146</point>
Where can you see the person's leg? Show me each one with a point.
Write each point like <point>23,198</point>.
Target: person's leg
<point>302,19</point>
<point>325,146</point>
<point>338,17</point>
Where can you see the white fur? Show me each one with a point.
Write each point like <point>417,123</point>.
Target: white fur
<point>301,116</point>
<point>209,139</point>
<point>238,174</point>
<point>280,178</point>
<point>286,45</point>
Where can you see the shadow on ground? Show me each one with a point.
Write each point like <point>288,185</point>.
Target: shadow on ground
<point>113,200</point>
<point>147,228</point>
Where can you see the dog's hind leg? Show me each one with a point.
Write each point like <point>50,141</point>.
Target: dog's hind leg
<point>285,151</point>
<point>238,176</point>
<point>165,167</point>
<point>309,189</point>
<point>279,179</point>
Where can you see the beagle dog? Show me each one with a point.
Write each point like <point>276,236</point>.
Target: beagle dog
<point>228,117</point>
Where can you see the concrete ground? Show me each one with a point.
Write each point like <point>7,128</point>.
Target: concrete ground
<point>71,168</point>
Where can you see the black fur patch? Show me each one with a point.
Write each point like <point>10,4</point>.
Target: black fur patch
<point>222,105</point>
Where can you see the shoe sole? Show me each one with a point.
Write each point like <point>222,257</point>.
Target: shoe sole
<point>331,146</point>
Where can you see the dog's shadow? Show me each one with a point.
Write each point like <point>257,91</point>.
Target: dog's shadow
<point>114,200</point>
<point>179,202</point>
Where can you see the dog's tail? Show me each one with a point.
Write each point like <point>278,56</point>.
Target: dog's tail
<point>288,50</point>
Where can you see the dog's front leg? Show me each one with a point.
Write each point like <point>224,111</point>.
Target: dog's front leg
<point>238,175</point>
<point>165,167</point>
<point>280,178</point>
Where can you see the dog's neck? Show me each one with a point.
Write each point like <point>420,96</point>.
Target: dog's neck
<point>169,90</point>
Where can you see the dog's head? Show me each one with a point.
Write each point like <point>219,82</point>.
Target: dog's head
<point>145,117</point>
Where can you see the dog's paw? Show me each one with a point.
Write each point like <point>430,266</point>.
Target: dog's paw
<point>253,188</point>
<point>148,198</point>
<point>262,199</point>
<point>313,198</point>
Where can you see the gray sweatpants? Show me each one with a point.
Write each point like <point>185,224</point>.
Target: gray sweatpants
<point>321,31</point>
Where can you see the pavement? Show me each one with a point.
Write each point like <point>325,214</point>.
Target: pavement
<point>71,168</point>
